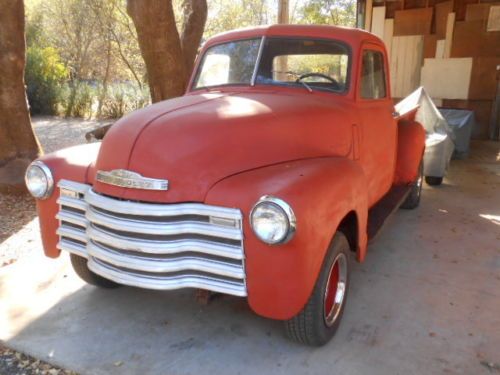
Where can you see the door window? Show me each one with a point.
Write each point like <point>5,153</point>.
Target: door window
<point>373,75</point>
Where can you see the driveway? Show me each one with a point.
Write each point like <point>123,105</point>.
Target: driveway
<point>426,301</point>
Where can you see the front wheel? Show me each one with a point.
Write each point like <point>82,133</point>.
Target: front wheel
<point>318,321</point>
<point>80,267</point>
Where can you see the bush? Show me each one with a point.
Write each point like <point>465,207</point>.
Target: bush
<point>44,75</point>
<point>78,98</point>
<point>123,98</point>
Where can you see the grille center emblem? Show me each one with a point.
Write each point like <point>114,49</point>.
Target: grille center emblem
<point>132,180</point>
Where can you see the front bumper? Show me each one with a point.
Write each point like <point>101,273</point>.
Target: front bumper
<point>153,246</point>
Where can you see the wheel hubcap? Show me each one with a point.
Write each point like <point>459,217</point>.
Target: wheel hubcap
<point>335,289</point>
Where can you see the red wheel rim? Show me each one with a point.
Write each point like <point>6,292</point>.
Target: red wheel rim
<point>335,289</point>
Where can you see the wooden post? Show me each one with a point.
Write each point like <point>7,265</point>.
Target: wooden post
<point>281,62</point>
<point>283,12</point>
<point>368,14</point>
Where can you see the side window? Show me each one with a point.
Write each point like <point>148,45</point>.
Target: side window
<point>373,75</point>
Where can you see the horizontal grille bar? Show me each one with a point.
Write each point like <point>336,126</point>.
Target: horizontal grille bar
<point>73,233</point>
<point>151,209</point>
<point>164,247</point>
<point>157,282</point>
<point>159,228</point>
<point>73,218</point>
<point>155,246</point>
<point>158,265</point>
<point>72,247</point>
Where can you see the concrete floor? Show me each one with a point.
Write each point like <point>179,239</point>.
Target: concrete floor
<point>426,301</point>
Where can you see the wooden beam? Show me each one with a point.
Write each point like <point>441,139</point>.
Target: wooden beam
<point>283,12</point>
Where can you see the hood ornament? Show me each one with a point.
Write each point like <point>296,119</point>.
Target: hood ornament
<point>131,180</point>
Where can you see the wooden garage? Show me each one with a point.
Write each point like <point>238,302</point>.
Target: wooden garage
<point>450,47</point>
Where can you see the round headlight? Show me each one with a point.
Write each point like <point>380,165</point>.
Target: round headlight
<point>273,220</point>
<point>39,180</point>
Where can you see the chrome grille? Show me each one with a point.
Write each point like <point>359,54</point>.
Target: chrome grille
<point>154,246</point>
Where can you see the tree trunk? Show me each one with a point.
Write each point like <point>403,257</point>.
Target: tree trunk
<point>195,16</point>
<point>168,56</point>
<point>18,144</point>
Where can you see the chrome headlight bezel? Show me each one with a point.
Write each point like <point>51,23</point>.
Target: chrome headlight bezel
<point>285,209</point>
<point>49,180</point>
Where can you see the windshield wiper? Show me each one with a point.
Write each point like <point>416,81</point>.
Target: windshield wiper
<point>306,86</point>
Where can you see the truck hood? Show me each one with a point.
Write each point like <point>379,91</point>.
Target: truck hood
<point>197,140</point>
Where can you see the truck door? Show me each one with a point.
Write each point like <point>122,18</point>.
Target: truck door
<point>378,126</point>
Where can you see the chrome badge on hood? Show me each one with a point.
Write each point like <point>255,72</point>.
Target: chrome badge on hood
<point>132,180</point>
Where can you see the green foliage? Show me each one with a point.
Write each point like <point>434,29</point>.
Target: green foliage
<point>77,98</point>
<point>44,75</point>
<point>225,15</point>
<point>328,12</point>
<point>81,98</point>
<point>124,98</point>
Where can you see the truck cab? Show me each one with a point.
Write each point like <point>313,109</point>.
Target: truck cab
<point>264,181</point>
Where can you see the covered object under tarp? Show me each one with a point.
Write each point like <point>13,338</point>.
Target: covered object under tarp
<point>439,144</point>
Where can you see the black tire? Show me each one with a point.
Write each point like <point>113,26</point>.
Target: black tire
<point>413,199</point>
<point>310,326</point>
<point>433,180</point>
<point>80,266</point>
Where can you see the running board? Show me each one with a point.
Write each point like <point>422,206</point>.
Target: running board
<point>380,213</point>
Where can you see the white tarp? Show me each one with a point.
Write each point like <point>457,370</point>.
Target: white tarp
<point>461,122</point>
<point>439,144</point>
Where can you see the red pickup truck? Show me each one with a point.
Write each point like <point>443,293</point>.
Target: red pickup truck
<point>281,161</point>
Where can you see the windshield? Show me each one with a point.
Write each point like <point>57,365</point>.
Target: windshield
<point>228,64</point>
<point>315,64</point>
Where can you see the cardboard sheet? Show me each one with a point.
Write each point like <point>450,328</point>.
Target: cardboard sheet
<point>447,78</point>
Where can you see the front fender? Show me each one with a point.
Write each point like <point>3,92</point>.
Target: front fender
<point>321,192</point>
<point>72,164</point>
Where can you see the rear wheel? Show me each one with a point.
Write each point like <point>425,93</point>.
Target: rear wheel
<point>433,180</point>
<point>413,199</point>
<point>318,321</point>
<point>80,267</point>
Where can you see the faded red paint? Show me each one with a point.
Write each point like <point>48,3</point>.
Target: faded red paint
<point>325,154</point>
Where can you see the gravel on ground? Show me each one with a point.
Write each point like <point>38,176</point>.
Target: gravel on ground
<point>16,363</point>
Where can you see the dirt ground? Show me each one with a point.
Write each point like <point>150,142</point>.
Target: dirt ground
<point>18,215</point>
<point>18,212</point>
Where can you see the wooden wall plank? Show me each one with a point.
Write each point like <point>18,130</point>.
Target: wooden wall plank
<point>471,40</point>
<point>494,19</point>
<point>378,21</point>
<point>460,8</point>
<point>413,21</point>
<point>440,49</point>
<point>442,10</point>
<point>450,23</point>
<point>391,7</point>
<point>483,83</point>
<point>430,42</point>
<point>406,62</point>
<point>388,31</point>
<point>447,78</point>
<point>477,12</point>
